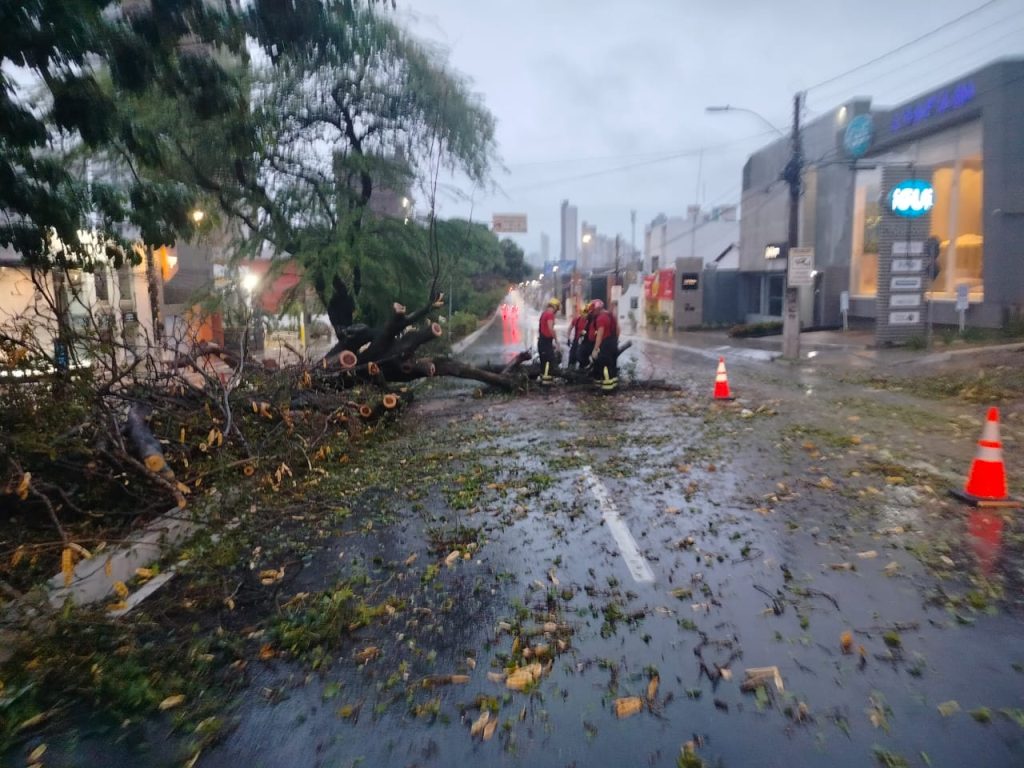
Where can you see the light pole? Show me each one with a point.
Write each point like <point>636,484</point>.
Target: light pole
<point>791,174</point>
<point>759,116</point>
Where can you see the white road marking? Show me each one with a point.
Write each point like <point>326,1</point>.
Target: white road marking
<point>635,561</point>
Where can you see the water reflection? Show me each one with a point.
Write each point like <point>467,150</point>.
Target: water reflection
<point>985,531</point>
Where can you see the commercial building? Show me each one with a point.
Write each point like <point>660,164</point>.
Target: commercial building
<point>705,235</point>
<point>913,210</point>
<point>570,233</point>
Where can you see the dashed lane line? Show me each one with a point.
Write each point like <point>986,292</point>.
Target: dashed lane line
<point>635,561</point>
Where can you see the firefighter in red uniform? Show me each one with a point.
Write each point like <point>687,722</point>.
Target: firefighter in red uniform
<point>577,335</point>
<point>606,347</point>
<point>546,341</point>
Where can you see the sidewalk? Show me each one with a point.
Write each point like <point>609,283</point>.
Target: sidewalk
<point>853,348</point>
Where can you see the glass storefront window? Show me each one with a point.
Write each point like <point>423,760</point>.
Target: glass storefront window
<point>866,217</point>
<point>956,218</point>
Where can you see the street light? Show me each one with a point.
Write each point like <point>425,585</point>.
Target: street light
<point>249,282</point>
<point>792,175</point>
<point>731,108</point>
<point>198,216</point>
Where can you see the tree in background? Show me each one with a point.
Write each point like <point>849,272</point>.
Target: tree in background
<point>72,71</point>
<point>341,103</point>
<point>350,108</point>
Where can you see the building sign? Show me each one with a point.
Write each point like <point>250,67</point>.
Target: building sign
<point>905,284</point>
<point>905,248</point>
<point>801,267</point>
<point>912,198</point>
<point>902,264</point>
<point>667,284</point>
<point>904,318</point>
<point>508,223</point>
<point>772,251</point>
<point>905,300</point>
<point>906,265</point>
<point>690,281</point>
<point>858,136</point>
<point>650,291</point>
<point>941,103</point>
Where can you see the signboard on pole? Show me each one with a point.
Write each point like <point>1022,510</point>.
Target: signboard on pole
<point>962,301</point>
<point>903,261</point>
<point>508,223</point>
<point>801,267</point>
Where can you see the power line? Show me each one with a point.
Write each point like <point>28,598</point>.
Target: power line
<point>618,169</point>
<point>838,93</point>
<point>904,46</point>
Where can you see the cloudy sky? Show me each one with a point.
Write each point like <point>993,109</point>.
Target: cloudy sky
<point>602,101</point>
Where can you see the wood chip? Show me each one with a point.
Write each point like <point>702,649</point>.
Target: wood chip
<point>755,677</point>
<point>652,688</point>
<point>172,701</point>
<point>867,555</point>
<point>369,653</point>
<point>452,558</point>
<point>628,706</point>
<point>480,723</point>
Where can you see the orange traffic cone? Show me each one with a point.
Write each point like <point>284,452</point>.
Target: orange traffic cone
<point>986,483</point>
<point>722,382</point>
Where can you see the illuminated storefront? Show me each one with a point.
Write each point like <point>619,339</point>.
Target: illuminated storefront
<point>942,173</point>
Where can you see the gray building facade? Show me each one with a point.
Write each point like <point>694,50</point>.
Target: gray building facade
<point>961,146</point>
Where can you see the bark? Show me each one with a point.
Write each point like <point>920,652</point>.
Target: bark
<point>144,445</point>
<point>447,367</point>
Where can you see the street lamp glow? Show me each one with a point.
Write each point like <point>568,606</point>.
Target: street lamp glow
<point>198,215</point>
<point>405,202</point>
<point>540,276</point>
<point>731,108</point>
<point>554,268</point>
<point>249,281</point>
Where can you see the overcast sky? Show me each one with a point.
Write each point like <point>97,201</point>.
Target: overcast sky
<point>583,87</point>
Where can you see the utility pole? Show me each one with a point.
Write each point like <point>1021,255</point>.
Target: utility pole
<point>792,175</point>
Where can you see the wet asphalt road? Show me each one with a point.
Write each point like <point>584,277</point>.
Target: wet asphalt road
<point>670,537</point>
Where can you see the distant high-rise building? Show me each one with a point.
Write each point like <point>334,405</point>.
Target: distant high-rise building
<point>545,247</point>
<point>588,246</point>
<point>570,233</point>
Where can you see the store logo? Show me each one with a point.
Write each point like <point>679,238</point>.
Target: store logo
<point>858,136</point>
<point>912,198</point>
<point>941,103</point>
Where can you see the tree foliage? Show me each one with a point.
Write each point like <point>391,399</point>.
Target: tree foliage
<point>339,107</point>
<point>70,70</point>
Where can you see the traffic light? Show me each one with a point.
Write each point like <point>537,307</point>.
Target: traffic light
<point>931,252</point>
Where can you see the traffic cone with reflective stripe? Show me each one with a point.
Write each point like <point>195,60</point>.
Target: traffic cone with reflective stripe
<point>986,482</point>
<point>722,382</point>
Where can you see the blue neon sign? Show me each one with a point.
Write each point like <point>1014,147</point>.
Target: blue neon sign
<point>912,198</point>
<point>941,103</point>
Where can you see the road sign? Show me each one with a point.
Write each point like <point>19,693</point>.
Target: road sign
<point>962,300</point>
<point>503,223</point>
<point>801,267</point>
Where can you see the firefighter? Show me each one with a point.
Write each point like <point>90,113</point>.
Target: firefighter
<point>606,347</point>
<point>587,342</point>
<point>577,334</point>
<point>546,341</point>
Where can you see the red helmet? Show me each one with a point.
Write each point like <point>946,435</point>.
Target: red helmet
<point>596,306</point>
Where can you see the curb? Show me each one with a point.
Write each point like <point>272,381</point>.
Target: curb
<point>93,579</point>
